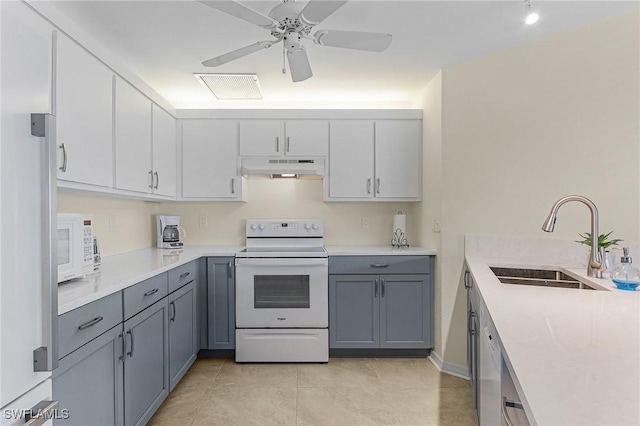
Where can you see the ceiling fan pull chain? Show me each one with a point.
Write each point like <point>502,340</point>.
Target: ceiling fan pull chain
<point>284,69</point>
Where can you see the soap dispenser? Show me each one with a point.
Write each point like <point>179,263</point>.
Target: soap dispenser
<point>625,276</point>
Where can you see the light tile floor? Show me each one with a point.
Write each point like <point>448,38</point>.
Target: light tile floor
<point>345,391</point>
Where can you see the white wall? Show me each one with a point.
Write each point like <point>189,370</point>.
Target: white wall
<point>523,127</point>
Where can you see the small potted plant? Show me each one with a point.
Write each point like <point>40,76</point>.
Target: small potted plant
<point>604,242</point>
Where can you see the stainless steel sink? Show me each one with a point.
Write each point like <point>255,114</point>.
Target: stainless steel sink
<point>538,277</point>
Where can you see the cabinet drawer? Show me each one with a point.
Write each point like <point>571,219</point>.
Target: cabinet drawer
<point>80,326</point>
<point>144,294</point>
<point>181,275</point>
<point>379,265</point>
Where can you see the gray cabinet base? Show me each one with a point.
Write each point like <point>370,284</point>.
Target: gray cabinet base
<point>379,353</point>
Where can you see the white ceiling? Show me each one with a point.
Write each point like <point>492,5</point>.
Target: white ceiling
<point>164,42</point>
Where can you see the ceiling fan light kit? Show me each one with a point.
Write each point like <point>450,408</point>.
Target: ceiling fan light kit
<point>291,22</point>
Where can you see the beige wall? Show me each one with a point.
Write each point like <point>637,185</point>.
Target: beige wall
<point>523,127</point>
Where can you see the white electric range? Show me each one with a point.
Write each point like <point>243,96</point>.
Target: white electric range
<point>282,292</point>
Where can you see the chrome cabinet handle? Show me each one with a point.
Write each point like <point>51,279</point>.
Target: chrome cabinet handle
<point>378,186</point>
<point>121,336</point>
<point>63,168</point>
<point>185,275</point>
<point>151,177</point>
<point>369,186</point>
<point>277,144</point>
<point>130,352</point>
<point>467,283</point>
<point>470,323</point>
<point>233,186</point>
<point>379,265</point>
<point>507,403</point>
<point>229,269</point>
<point>375,288</point>
<point>150,292</point>
<point>382,286</point>
<point>90,323</point>
<point>288,144</point>
<point>172,305</point>
<point>41,413</point>
<point>157,180</point>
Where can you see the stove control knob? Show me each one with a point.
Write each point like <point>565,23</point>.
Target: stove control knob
<point>253,226</point>
<point>314,227</point>
<point>306,226</point>
<point>261,227</point>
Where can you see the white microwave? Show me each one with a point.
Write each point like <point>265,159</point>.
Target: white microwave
<point>75,246</point>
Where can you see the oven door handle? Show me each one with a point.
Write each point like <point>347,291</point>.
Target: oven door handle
<point>280,262</point>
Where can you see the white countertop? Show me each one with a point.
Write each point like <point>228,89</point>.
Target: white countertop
<point>574,355</point>
<point>375,250</point>
<point>124,270</point>
<point>121,271</point>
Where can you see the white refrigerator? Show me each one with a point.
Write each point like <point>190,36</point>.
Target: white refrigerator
<point>28,266</point>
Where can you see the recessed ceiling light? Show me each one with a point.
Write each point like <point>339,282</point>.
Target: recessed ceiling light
<point>232,86</point>
<point>532,17</point>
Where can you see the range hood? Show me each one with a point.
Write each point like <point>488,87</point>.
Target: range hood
<point>283,168</point>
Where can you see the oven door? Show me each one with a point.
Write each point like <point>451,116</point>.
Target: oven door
<point>282,292</point>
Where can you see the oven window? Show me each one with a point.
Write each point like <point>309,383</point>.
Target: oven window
<point>281,291</point>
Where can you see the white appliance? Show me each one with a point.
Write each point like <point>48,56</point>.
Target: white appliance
<point>75,246</point>
<point>283,168</point>
<point>282,292</point>
<point>28,240</point>
<point>168,232</point>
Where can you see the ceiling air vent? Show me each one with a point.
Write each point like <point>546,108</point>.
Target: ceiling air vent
<point>232,86</point>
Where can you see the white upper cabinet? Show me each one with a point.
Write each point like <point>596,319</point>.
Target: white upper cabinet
<point>210,160</point>
<point>351,159</point>
<point>164,152</point>
<point>276,138</point>
<point>83,99</point>
<point>133,139</point>
<point>398,159</point>
<point>375,161</point>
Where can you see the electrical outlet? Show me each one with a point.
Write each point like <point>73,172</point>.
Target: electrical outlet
<point>113,224</point>
<point>364,222</point>
<point>436,225</point>
<point>202,221</point>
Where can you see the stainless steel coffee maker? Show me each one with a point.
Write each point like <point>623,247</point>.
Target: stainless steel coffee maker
<point>169,231</point>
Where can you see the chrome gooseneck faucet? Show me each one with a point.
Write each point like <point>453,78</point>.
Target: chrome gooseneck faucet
<point>596,265</point>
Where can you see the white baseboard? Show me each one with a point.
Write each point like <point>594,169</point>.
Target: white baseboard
<point>447,367</point>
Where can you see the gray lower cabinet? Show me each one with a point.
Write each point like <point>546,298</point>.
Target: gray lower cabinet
<point>386,311</point>
<point>89,382</point>
<point>221,308</point>
<point>183,337</point>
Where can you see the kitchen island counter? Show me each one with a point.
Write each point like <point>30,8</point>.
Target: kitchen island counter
<point>123,270</point>
<point>573,354</point>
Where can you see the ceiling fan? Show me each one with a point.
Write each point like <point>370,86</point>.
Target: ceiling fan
<point>290,22</point>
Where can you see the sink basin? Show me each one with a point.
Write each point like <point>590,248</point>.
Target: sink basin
<point>538,277</point>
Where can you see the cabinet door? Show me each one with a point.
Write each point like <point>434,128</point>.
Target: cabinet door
<point>398,158</point>
<point>146,366</point>
<point>209,159</point>
<point>307,138</point>
<point>89,382</point>
<point>404,311</point>
<point>351,159</point>
<point>84,99</point>
<point>354,319</point>
<point>221,303</point>
<point>183,338</point>
<point>262,138</point>
<point>164,152</point>
<point>133,139</point>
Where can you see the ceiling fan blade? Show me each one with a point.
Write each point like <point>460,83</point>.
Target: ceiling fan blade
<point>243,12</point>
<point>239,53</point>
<point>374,42</point>
<point>299,64</point>
<point>317,11</point>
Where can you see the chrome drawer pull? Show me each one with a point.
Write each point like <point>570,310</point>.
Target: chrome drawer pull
<point>186,274</point>
<point>150,292</point>
<point>90,323</point>
<point>41,413</point>
<point>379,265</point>
<point>511,404</point>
